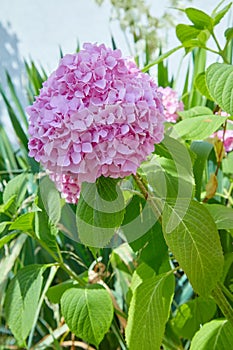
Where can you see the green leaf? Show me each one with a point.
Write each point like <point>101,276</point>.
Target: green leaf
<point>200,83</point>
<point>196,111</point>
<point>3,225</point>
<point>229,34</point>
<point>199,18</point>
<point>219,79</point>
<point>15,122</point>
<point>161,58</point>
<point>192,315</point>
<point>198,128</point>
<point>222,216</point>
<point>152,247</point>
<point>5,239</point>
<point>100,211</point>
<point>16,187</point>
<point>88,312</point>
<point>217,16</point>
<point>149,311</point>
<point>186,32</point>
<point>215,335</point>
<point>202,150</point>
<point>21,301</point>
<point>54,293</point>
<point>227,163</point>
<point>51,199</point>
<point>192,236</point>
<point>24,223</point>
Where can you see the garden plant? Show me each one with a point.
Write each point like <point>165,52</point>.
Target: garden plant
<point>116,205</point>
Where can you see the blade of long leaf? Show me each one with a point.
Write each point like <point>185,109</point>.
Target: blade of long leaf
<point>16,101</point>
<point>15,122</point>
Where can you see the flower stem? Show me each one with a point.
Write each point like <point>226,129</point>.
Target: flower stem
<point>223,303</point>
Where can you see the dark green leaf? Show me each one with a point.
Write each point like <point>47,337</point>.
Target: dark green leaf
<point>16,187</point>
<point>51,199</point>
<point>54,293</point>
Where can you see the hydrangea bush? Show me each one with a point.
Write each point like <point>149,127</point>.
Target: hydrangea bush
<point>139,254</point>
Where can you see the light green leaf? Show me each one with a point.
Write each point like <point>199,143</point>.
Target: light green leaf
<point>5,239</point>
<point>51,199</point>
<point>88,312</point>
<point>200,83</point>
<point>21,301</point>
<point>215,335</point>
<point>196,111</point>
<point>227,163</point>
<point>3,225</point>
<point>199,18</point>
<point>149,311</point>
<point>16,187</point>
<point>186,32</point>
<point>161,58</point>
<point>192,236</point>
<point>217,16</point>
<point>100,211</point>
<point>219,79</point>
<point>198,128</point>
<point>192,315</point>
<point>24,223</point>
<point>228,34</point>
<point>222,216</point>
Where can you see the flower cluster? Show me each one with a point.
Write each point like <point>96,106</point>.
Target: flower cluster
<point>171,104</point>
<point>97,114</point>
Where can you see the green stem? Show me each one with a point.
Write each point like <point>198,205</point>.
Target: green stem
<point>223,303</point>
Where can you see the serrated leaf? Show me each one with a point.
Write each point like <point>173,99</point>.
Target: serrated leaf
<point>222,216</point>
<point>100,211</point>
<point>199,18</point>
<point>219,79</point>
<point>200,83</point>
<point>192,236</point>
<point>214,335</point>
<point>196,111</point>
<point>149,311</point>
<point>192,315</point>
<point>198,128</point>
<point>51,199</point>
<point>21,301</point>
<point>88,312</point>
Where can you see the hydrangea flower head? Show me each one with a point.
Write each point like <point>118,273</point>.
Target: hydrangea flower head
<point>97,114</point>
<point>171,103</point>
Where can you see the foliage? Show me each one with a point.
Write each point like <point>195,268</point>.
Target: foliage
<point>139,263</point>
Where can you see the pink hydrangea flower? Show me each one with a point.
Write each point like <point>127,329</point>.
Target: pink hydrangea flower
<point>171,103</point>
<point>228,139</point>
<point>97,114</point>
